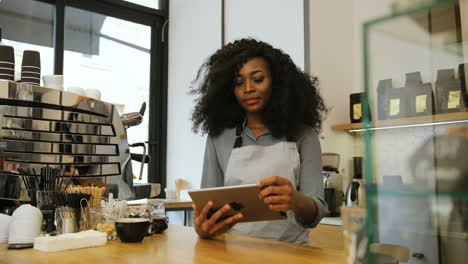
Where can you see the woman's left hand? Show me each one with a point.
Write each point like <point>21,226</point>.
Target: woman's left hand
<point>278,193</point>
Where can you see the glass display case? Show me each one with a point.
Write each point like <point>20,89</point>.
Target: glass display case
<point>416,132</point>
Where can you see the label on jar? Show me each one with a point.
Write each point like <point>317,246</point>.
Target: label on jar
<point>357,111</point>
<point>453,100</point>
<point>421,103</point>
<point>394,107</point>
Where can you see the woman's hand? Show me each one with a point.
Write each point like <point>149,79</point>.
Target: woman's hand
<point>210,227</point>
<point>278,193</point>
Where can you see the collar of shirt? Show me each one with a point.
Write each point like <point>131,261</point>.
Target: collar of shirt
<point>248,132</point>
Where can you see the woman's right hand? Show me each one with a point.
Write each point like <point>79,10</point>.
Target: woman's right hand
<point>209,227</point>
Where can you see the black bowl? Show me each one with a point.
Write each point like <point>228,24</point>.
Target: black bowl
<point>132,229</point>
<point>31,58</point>
<point>7,54</point>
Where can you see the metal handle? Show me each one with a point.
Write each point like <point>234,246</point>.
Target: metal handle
<point>418,255</point>
<point>139,157</point>
<point>140,144</point>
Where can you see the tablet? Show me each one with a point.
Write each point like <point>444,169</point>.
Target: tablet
<point>242,198</point>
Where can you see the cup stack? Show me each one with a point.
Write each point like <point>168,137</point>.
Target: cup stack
<point>31,67</point>
<point>25,225</point>
<point>7,63</point>
<point>4,227</point>
<point>53,81</point>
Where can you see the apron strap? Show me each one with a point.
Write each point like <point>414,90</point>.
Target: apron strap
<point>238,141</point>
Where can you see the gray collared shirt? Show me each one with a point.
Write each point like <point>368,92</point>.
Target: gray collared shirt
<point>218,150</point>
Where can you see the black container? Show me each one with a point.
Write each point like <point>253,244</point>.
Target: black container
<point>357,167</point>
<point>356,109</point>
<point>132,229</point>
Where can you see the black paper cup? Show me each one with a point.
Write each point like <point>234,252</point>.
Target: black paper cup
<point>31,58</point>
<point>7,54</point>
<point>30,75</point>
<point>8,77</point>
<point>30,68</point>
<point>31,80</point>
<point>6,64</point>
<point>7,71</point>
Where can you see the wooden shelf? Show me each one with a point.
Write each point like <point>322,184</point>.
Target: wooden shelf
<point>401,122</point>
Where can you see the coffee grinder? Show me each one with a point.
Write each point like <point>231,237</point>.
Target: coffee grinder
<point>333,182</point>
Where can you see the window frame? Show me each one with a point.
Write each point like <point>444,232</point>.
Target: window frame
<point>157,19</point>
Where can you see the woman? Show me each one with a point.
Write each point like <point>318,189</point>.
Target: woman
<point>262,115</point>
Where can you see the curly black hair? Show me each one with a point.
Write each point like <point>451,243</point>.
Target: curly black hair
<point>295,99</point>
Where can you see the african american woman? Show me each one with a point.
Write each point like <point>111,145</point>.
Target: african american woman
<point>262,115</point>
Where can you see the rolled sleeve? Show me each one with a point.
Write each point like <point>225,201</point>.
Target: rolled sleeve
<point>310,175</point>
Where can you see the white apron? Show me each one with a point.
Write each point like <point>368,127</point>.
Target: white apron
<point>252,163</point>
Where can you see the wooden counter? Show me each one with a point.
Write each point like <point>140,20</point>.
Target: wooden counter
<point>181,245</point>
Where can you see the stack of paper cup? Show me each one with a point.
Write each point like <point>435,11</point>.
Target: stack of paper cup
<point>25,225</point>
<point>77,90</point>
<point>4,227</point>
<point>53,81</point>
<point>31,67</point>
<point>93,93</point>
<point>7,63</point>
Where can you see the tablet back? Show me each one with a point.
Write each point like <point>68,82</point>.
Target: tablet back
<point>242,198</point>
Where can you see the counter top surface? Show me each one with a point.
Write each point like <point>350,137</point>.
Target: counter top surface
<point>181,244</point>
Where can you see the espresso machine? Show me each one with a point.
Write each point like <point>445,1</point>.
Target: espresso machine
<point>333,183</point>
<point>47,127</point>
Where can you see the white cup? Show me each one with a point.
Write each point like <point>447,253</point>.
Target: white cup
<point>77,90</point>
<point>93,93</point>
<point>4,227</point>
<point>53,81</point>
<point>171,194</point>
<point>25,225</point>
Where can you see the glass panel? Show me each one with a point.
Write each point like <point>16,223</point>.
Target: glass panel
<point>416,145</point>
<point>113,56</point>
<point>28,25</point>
<point>148,3</point>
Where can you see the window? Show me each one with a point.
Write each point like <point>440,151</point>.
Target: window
<point>18,21</point>
<point>112,55</point>
<point>114,46</point>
